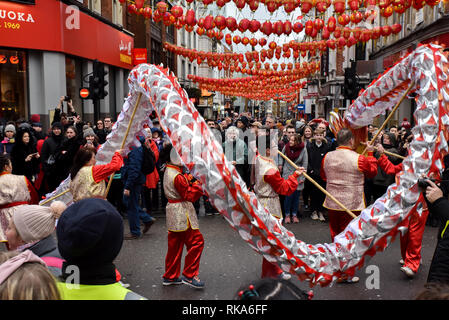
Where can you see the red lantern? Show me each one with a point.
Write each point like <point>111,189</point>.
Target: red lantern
<point>341,42</point>
<point>147,13</point>
<point>287,27</point>
<point>190,17</point>
<point>220,22</point>
<point>396,28</point>
<point>243,25</point>
<point>162,6</point>
<point>322,5</point>
<point>337,32</point>
<point>253,5</point>
<point>278,28</point>
<point>220,3</point>
<point>331,24</point>
<point>240,4</point>
<point>384,3</point>
<point>366,35</point>
<point>209,22</point>
<point>357,33</point>
<point>331,44</point>
<point>375,33</point>
<point>343,19</point>
<point>267,28</point>
<point>318,24</point>
<point>207,2</point>
<point>272,45</point>
<point>309,27</point>
<point>346,32</point>
<point>354,5</point>
<point>387,12</point>
<point>306,5</point>
<point>262,42</point>
<point>254,26</point>
<point>132,8</point>
<point>339,6</point>
<point>253,42</point>
<point>176,11</point>
<point>236,39</point>
<point>297,27</point>
<point>271,6</point>
<point>314,33</point>
<point>325,34</point>
<point>200,31</point>
<point>351,41</point>
<point>139,4</point>
<point>231,23</point>
<point>245,41</point>
<point>385,31</point>
<point>228,39</point>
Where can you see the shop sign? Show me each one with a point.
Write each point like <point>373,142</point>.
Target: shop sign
<point>139,56</point>
<point>55,26</point>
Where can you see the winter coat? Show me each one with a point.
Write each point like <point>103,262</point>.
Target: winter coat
<point>288,170</point>
<point>65,155</point>
<point>382,178</point>
<point>439,267</point>
<point>49,149</point>
<point>7,145</point>
<point>131,172</point>
<point>315,157</point>
<point>101,134</point>
<point>18,154</point>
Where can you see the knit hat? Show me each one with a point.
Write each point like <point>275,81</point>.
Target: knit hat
<point>35,222</point>
<point>90,232</point>
<point>244,120</point>
<point>405,124</point>
<point>57,125</point>
<point>89,132</point>
<point>10,127</point>
<point>35,118</point>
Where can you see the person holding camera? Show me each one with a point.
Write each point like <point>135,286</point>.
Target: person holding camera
<point>439,206</point>
<point>66,119</point>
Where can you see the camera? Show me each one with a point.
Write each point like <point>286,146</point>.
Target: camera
<point>423,183</point>
<point>66,98</point>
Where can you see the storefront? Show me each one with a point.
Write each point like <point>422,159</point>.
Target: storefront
<point>46,51</point>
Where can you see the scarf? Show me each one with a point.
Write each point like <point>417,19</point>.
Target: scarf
<point>293,152</point>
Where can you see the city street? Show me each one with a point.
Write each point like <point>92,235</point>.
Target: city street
<point>228,262</point>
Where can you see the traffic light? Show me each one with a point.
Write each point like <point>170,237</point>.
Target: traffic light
<point>97,82</point>
<point>351,87</point>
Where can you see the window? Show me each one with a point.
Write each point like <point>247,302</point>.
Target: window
<point>73,82</point>
<point>156,49</point>
<point>117,13</point>
<point>95,5</point>
<point>13,85</point>
<point>183,70</point>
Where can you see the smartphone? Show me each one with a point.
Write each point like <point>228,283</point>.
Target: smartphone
<point>66,98</point>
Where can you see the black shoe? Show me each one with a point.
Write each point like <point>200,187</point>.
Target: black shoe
<point>147,226</point>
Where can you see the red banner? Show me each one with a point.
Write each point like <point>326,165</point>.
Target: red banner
<point>55,26</point>
<point>139,56</point>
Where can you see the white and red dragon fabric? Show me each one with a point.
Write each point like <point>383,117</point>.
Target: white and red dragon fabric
<point>375,228</point>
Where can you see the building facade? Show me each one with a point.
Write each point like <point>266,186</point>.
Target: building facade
<point>47,50</point>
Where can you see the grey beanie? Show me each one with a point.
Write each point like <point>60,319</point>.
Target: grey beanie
<point>10,127</point>
<point>89,132</point>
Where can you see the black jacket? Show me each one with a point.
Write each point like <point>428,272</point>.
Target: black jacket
<point>439,268</point>
<point>65,155</point>
<point>18,154</point>
<point>49,149</point>
<point>315,157</point>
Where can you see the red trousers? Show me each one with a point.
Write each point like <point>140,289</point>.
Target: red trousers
<point>412,240</point>
<point>338,221</point>
<point>194,242</point>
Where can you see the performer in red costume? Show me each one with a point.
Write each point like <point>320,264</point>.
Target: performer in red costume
<point>268,185</point>
<point>411,242</point>
<point>344,171</point>
<point>182,224</point>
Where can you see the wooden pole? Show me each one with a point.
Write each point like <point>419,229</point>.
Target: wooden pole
<point>390,115</point>
<point>318,185</point>
<point>54,197</point>
<point>124,140</point>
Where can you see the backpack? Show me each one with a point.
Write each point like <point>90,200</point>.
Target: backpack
<point>149,162</point>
